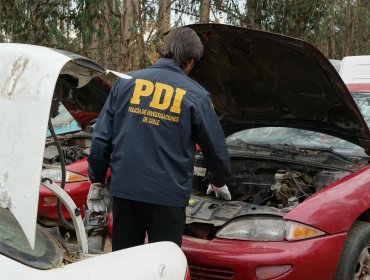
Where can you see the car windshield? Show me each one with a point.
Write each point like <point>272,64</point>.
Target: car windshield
<point>300,137</point>
<point>63,122</point>
<point>14,244</point>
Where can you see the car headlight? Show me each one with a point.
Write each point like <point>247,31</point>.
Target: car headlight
<point>55,174</point>
<point>266,228</point>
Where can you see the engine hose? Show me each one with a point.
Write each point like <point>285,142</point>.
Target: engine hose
<point>64,222</point>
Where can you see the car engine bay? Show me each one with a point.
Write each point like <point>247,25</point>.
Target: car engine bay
<point>75,146</point>
<point>263,182</point>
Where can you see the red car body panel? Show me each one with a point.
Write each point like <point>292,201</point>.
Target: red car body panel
<point>77,190</point>
<point>310,259</point>
<point>80,167</point>
<point>336,207</point>
<point>333,210</point>
<point>83,118</point>
<point>357,88</point>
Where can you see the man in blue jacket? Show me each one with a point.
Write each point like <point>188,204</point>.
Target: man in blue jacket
<point>146,133</point>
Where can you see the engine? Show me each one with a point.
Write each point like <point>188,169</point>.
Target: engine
<point>270,183</point>
<point>75,147</point>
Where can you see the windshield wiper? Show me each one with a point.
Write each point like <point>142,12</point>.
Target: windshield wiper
<point>287,152</point>
<point>272,147</point>
<point>332,151</point>
<point>280,147</point>
<point>236,142</point>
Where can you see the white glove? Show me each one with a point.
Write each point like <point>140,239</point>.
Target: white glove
<point>98,197</point>
<point>223,191</point>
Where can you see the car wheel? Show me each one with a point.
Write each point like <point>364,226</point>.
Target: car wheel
<point>354,262</point>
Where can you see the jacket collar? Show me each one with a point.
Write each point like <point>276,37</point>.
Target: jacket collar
<point>168,64</point>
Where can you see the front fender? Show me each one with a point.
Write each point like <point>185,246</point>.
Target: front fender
<point>335,208</point>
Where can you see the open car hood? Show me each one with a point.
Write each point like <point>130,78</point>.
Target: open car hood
<point>262,79</point>
<point>84,101</point>
<point>27,82</point>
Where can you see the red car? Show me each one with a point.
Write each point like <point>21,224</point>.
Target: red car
<point>300,181</point>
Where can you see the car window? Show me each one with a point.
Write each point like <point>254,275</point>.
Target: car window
<point>301,137</point>
<point>289,136</point>
<point>63,122</point>
<point>363,103</point>
<point>14,244</point>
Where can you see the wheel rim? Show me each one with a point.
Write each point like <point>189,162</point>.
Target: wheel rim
<point>363,265</point>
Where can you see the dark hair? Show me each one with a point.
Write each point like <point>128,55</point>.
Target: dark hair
<point>181,44</point>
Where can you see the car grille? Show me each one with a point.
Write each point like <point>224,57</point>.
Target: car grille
<point>198,272</point>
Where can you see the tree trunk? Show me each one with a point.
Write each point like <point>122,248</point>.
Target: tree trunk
<point>38,25</point>
<point>140,49</point>
<point>164,15</point>
<point>254,14</point>
<point>205,7</point>
<point>332,28</point>
<point>91,47</point>
<point>107,35</point>
<point>348,34</point>
<point>128,18</point>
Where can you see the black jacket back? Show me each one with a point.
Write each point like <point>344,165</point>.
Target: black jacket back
<point>147,133</point>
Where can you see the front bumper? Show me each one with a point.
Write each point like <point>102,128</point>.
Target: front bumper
<point>315,258</point>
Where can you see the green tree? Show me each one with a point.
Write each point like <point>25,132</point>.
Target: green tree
<point>125,34</point>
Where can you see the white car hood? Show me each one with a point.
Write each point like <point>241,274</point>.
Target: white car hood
<point>27,81</point>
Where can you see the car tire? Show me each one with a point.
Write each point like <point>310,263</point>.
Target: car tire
<point>354,262</point>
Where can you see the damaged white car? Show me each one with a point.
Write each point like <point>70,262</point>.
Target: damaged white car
<point>27,83</point>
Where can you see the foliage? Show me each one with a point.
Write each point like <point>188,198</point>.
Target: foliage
<point>100,29</point>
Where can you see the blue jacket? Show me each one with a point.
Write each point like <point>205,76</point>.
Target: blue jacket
<point>147,133</point>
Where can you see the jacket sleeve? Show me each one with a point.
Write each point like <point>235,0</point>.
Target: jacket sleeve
<point>101,146</point>
<point>211,139</point>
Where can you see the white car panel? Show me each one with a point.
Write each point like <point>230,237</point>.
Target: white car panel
<point>27,84</point>
<point>355,69</point>
<point>162,261</point>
